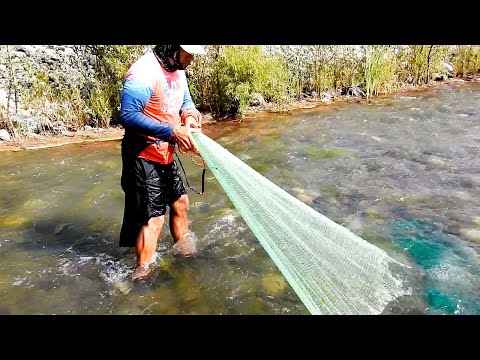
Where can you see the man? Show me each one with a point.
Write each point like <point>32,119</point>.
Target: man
<point>157,112</point>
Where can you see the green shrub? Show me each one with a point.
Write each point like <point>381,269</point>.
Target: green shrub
<point>380,69</point>
<point>223,81</point>
<point>466,60</point>
<point>420,62</point>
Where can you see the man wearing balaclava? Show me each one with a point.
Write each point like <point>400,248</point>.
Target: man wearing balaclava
<point>157,113</point>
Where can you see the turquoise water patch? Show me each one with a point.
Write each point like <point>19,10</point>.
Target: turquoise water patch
<point>441,301</point>
<point>452,271</point>
<point>421,240</point>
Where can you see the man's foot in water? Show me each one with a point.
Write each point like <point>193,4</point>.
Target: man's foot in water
<point>185,246</point>
<point>142,271</point>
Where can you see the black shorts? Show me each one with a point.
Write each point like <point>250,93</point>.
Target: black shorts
<point>149,187</point>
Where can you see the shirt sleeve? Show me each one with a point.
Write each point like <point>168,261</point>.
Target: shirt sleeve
<point>187,100</point>
<point>134,98</point>
<point>188,107</point>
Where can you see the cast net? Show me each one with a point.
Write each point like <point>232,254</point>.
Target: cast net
<point>332,270</point>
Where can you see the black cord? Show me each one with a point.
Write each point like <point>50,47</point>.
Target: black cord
<point>185,174</point>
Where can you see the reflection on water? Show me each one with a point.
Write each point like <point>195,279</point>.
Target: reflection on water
<point>402,172</point>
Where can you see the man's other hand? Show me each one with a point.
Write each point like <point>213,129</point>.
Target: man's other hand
<point>182,135</point>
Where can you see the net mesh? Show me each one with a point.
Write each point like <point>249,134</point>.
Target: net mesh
<point>332,270</point>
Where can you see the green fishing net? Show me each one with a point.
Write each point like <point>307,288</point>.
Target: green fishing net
<point>332,270</point>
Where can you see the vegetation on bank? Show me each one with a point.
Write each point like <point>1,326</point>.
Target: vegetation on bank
<point>229,79</point>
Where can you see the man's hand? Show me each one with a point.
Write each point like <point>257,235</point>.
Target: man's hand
<point>191,122</point>
<point>182,135</point>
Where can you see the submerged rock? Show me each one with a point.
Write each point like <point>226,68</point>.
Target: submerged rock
<point>123,287</point>
<point>13,220</point>
<point>274,284</point>
<point>471,234</point>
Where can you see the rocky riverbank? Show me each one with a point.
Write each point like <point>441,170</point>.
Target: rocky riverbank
<point>88,134</point>
<point>21,66</point>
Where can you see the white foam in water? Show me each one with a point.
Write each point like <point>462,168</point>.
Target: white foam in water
<point>225,227</point>
<point>113,270</point>
<point>455,276</point>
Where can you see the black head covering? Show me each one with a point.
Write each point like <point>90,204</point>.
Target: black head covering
<point>169,56</point>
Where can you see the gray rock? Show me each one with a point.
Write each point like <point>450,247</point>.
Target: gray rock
<point>353,90</point>
<point>3,98</point>
<point>471,234</point>
<point>256,100</point>
<point>326,97</point>
<point>447,66</point>
<point>4,135</point>
<point>27,49</point>
<point>20,54</point>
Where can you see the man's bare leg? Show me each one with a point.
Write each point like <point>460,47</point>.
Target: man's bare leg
<point>184,244</point>
<point>146,245</point>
